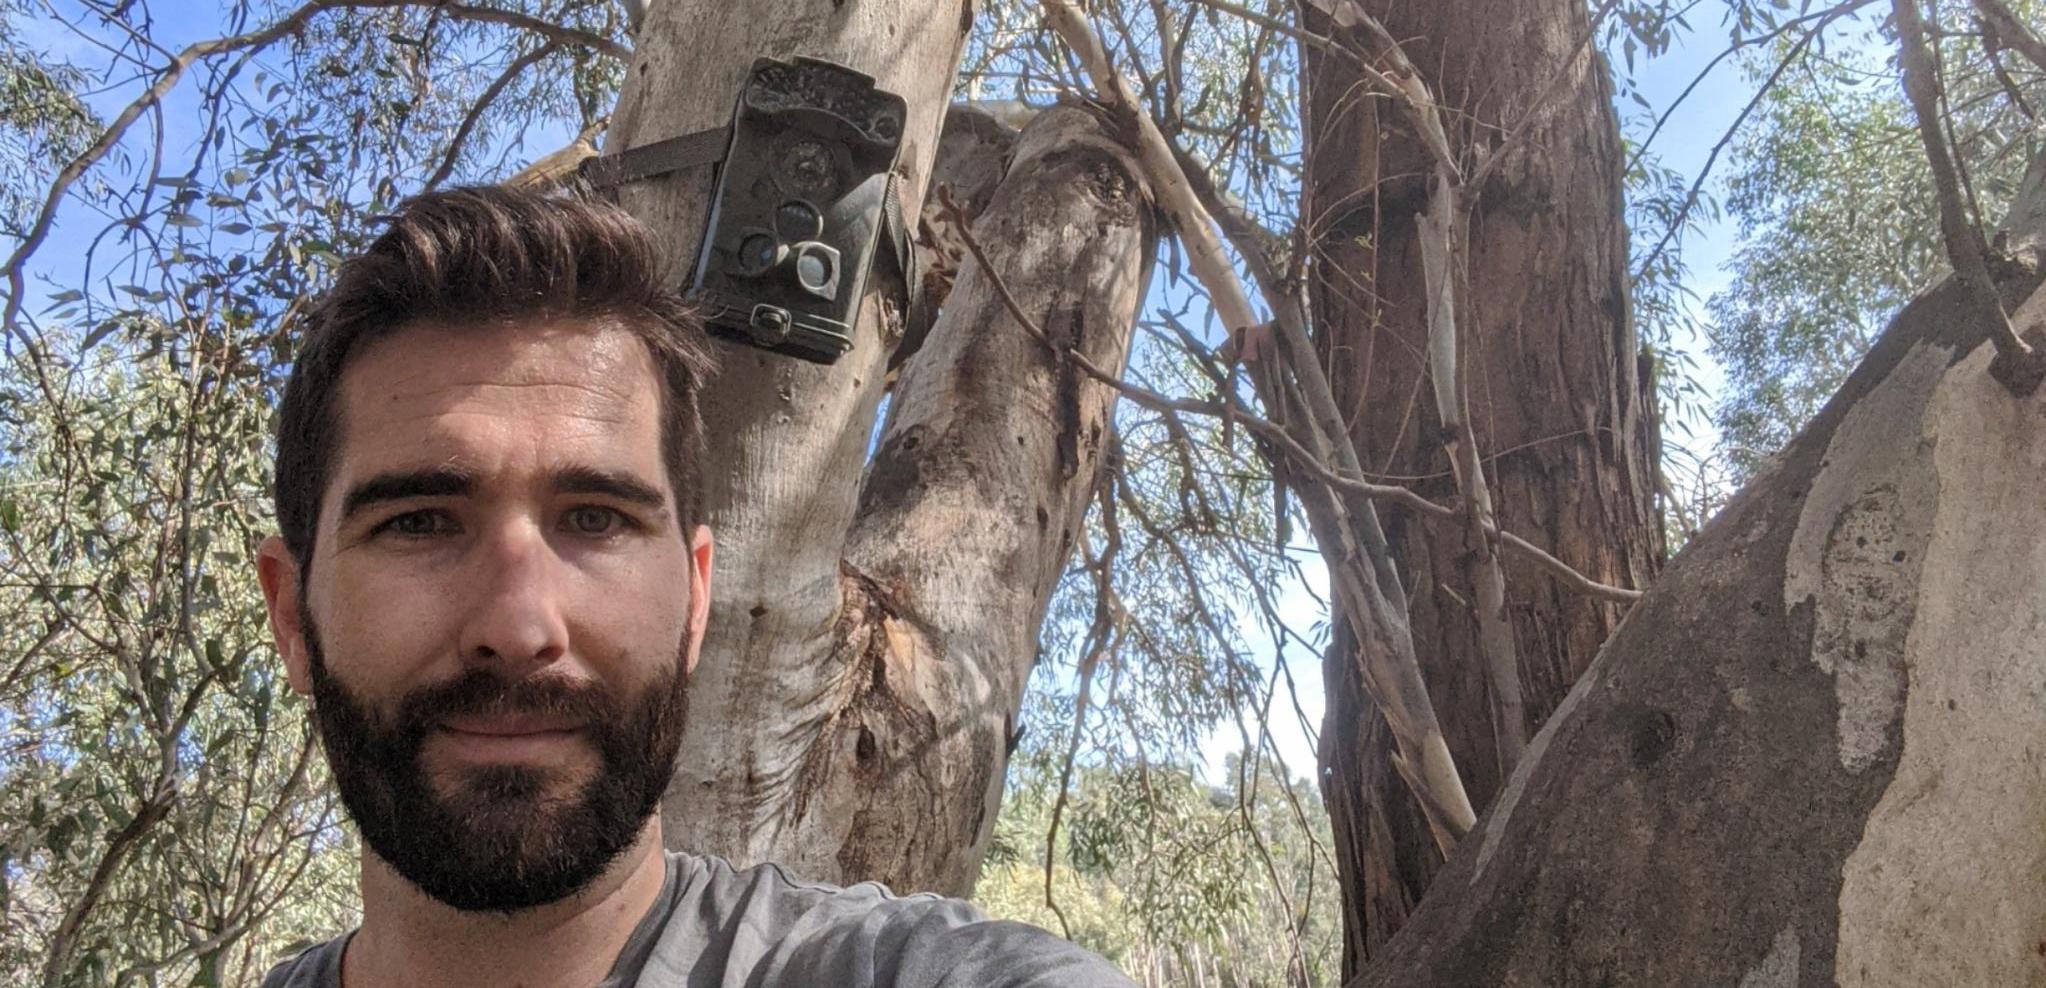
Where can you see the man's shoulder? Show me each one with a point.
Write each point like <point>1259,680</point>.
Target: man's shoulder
<point>764,922</point>
<point>317,966</point>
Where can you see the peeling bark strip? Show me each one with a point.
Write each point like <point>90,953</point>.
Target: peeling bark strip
<point>1811,755</point>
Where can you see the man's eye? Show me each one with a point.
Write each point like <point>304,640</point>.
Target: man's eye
<point>594,520</point>
<point>419,524</point>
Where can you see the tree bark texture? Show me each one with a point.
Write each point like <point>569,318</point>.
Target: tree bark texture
<point>1558,403</point>
<point>872,624</point>
<point>1811,755</point>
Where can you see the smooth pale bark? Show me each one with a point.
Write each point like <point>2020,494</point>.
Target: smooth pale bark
<point>788,438</point>
<point>1811,755</point>
<point>976,492</point>
<point>2025,224</point>
<point>1557,405</point>
<point>872,626</point>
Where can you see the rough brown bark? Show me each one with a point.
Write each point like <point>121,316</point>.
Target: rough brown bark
<point>1810,756</point>
<point>872,624</point>
<point>1557,402</point>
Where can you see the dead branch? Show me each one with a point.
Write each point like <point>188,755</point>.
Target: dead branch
<point>1438,227</point>
<point>557,168</point>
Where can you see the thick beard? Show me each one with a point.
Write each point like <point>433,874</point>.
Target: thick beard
<point>500,842</point>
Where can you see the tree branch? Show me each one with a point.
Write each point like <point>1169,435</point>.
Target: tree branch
<point>1275,433</point>
<point>2017,366</point>
<point>490,94</point>
<point>2011,32</point>
<point>167,79</point>
<point>1705,170</point>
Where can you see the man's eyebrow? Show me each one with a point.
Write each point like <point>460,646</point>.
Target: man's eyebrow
<point>402,484</point>
<point>622,486</point>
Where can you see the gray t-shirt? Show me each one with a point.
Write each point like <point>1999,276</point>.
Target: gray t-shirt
<point>713,926</point>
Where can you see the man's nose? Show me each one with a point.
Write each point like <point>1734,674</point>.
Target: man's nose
<point>517,620</point>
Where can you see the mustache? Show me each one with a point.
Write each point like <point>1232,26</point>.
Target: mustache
<point>482,693</point>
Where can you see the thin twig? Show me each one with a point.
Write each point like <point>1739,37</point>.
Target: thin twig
<point>1103,638</point>
<point>1676,224</point>
<point>490,94</point>
<point>1724,53</point>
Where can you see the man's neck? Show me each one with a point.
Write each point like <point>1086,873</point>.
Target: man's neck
<point>408,938</point>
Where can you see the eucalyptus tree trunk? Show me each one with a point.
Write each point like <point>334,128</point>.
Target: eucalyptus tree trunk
<point>874,615</point>
<point>1811,755</point>
<point>1558,405</point>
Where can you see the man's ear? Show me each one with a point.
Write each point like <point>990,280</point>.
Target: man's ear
<point>700,552</point>
<point>277,570</point>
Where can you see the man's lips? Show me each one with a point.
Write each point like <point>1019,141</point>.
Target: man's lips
<point>514,726</point>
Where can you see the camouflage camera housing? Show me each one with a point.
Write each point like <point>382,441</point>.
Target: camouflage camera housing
<point>798,208</point>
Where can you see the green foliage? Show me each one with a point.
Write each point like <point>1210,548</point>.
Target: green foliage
<point>1165,874</point>
<point>162,816</point>
<point>162,809</point>
<point>1839,222</point>
<point>164,812</point>
<point>43,123</point>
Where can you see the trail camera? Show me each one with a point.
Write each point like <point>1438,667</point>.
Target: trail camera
<point>799,207</point>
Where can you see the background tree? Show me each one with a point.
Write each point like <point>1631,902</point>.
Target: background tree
<point>1548,381</point>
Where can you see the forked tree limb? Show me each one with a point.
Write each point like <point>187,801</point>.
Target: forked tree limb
<point>1196,229</point>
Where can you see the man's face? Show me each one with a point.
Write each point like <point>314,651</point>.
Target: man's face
<point>502,609</point>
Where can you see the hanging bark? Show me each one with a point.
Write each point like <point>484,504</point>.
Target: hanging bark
<point>1810,755</point>
<point>871,626</point>
<point>1346,524</point>
<point>1557,403</point>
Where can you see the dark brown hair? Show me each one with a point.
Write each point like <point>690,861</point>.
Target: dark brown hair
<point>471,257</point>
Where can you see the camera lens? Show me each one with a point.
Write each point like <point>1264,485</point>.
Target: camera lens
<point>813,270</point>
<point>797,221</point>
<point>810,170</point>
<point>758,254</point>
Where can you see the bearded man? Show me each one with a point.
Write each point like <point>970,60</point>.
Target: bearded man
<point>492,579</point>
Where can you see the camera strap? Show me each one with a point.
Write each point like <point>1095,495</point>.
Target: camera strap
<point>708,147</point>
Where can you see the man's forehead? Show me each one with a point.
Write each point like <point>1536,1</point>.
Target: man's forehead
<point>429,396</point>
<point>428,358</point>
